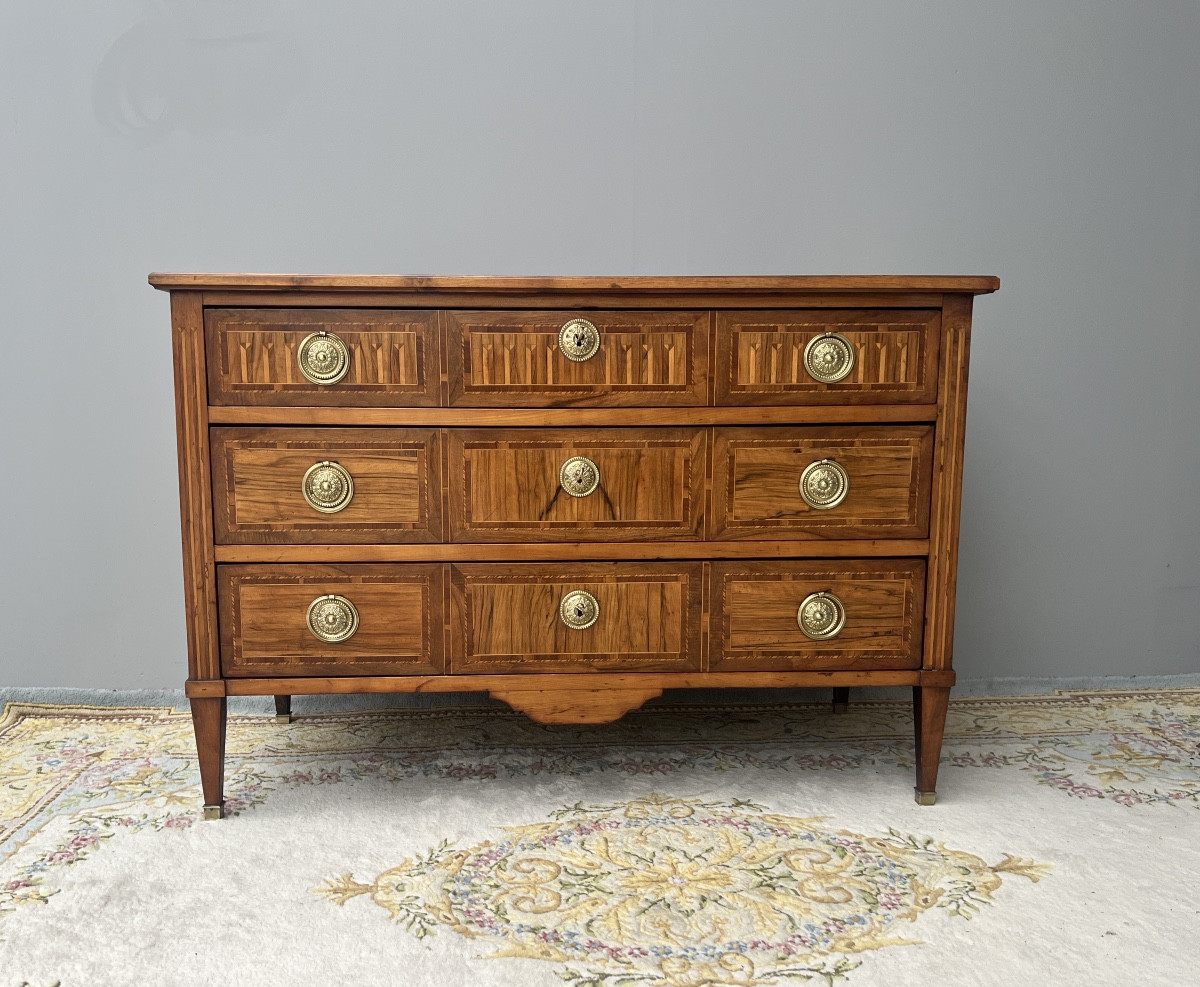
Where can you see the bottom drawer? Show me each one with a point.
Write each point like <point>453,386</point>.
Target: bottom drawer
<point>330,620</point>
<point>861,614</point>
<point>563,618</point>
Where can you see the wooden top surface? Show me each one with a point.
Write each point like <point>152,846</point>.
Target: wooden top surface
<point>974,285</point>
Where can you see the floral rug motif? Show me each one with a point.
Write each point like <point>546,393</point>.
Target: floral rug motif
<point>668,892</point>
<point>781,850</point>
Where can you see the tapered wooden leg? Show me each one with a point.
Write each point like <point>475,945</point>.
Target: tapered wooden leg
<point>841,698</point>
<point>283,709</point>
<point>208,720</point>
<point>929,721</point>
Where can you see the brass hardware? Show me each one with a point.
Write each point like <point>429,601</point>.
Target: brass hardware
<point>328,487</point>
<point>821,616</point>
<point>323,358</point>
<point>925,798</point>
<point>214,811</point>
<point>829,357</point>
<point>332,618</point>
<point>579,476</point>
<point>579,610</point>
<point>824,484</point>
<point>578,340</point>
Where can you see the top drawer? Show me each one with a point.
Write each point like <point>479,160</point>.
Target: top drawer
<point>828,356</point>
<point>352,357</point>
<point>540,359</point>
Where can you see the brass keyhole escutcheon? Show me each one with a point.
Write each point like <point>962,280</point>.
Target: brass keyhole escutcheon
<point>578,340</point>
<point>579,610</point>
<point>579,476</point>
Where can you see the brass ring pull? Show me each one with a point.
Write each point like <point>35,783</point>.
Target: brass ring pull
<point>578,340</point>
<point>323,358</point>
<point>579,476</point>
<point>821,616</point>
<point>824,484</point>
<point>829,357</point>
<point>332,619</point>
<point>579,610</point>
<point>328,487</point>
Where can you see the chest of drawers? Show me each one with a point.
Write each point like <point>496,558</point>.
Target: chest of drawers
<point>572,493</point>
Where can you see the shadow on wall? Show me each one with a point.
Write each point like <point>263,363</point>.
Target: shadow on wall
<point>199,66</point>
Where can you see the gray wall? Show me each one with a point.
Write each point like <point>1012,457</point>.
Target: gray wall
<point>1054,143</point>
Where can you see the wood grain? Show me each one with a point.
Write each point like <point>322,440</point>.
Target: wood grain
<point>195,486</point>
<point>947,488</point>
<point>756,482</point>
<point>264,629</point>
<point>570,417</point>
<point>755,604</point>
<point>504,485</point>
<point>555,551</point>
<point>505,618</point>
<point>574,681</point>
<point>497,358</point>
<point>258,476</point>
<point>252,354</point>
<point>972,284</point>
<point>760,356</point>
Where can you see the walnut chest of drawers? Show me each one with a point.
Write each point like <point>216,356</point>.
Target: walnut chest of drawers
<point>572,493</point>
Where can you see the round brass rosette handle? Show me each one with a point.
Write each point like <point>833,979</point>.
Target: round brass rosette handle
<point>328,487</point>
<point>578,340</point>
<point>579,476</point>
<point>332,618</point>
<point>579,610</point>
<point>829,358</point>
<point>824,484</point>
<point>323,358</point>
<point>821,616</point>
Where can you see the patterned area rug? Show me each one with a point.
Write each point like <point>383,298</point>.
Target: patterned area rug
<point>685,846</point>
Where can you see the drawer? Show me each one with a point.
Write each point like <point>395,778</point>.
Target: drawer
<point>886,356</point>
<point>777,483</point>
<point>336,485</point>
<point>394,619</point>
<point>510,618</point>
<point>756,605</point>
<point>576,485</point>
<point>517,359</point>
<point>390,357</point>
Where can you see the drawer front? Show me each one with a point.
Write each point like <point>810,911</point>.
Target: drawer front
<point>754,624</point>
<point>391,356</point>
<point>576,485</point>
<point>882,475</point>
<point>381,485</point>
<point>514,359</point>
<point>508,618</point>
<point>761,357</point>
<point>264,620</point>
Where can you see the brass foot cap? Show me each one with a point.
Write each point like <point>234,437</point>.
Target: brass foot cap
<point>841,707</point>
<point>214,811</point>
<point>925,798</point>
<point>283,717</point>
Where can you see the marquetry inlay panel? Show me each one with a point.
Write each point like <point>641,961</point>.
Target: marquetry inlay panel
<point>756,606</point>
<point>254,357</point>
<point>760,357</point>
<point>264,619</point>
<point>505,484</point>
<point>648,619</point>
<point>515,359</point>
